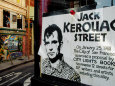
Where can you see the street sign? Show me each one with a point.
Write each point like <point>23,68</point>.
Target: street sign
<point>86,47</point>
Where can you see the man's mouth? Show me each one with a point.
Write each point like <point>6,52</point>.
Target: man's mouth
<point>51,53</point>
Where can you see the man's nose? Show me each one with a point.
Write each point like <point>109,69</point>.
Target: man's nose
<point>50,47</point>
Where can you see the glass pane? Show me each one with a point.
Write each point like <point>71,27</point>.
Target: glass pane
<point>104,3</point>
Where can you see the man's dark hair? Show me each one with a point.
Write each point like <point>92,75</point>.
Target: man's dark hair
<point>50,29</point>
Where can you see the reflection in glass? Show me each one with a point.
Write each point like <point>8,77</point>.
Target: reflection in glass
<point>105,3</point>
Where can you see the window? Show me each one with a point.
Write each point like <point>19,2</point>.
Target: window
<point>14,18</point>
<point>104,3</point>
<point>19,21</point>
<point>6,18</point>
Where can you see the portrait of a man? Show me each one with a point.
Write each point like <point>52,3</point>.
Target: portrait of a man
<point>54,64</point>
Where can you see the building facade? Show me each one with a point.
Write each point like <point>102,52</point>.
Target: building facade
<point>12,28</point>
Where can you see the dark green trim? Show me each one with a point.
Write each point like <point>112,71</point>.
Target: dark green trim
<point>12,29</point>
<point>13,51</point>
<point>8,31</point>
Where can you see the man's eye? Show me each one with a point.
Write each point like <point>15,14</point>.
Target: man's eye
<point>54,42</point>
<point>46,43</point>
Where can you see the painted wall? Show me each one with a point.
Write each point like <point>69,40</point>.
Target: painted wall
<point>13,6</point>
<point>10,45</point>
<point>1,17</point>
<point>32,12</point>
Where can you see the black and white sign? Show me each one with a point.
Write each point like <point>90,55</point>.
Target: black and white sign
<point>86,48</point>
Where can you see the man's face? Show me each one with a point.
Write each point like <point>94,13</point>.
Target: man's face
<point>52,45</point>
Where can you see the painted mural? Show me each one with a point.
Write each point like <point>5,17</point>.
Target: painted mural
<point>10,45</point>
<point>11,42</point>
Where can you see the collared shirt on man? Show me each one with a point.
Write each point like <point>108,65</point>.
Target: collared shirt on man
<point>63,70</point>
